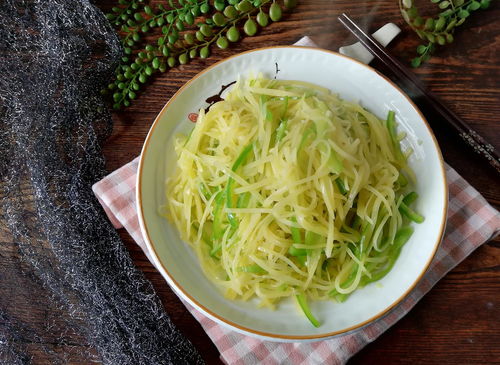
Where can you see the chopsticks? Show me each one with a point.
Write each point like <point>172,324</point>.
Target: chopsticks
<point>471,137</point>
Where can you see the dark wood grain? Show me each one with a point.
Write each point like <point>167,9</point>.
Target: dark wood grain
<point>457,322</point>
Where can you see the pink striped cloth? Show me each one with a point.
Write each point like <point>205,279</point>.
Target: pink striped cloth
<point>471,222</point>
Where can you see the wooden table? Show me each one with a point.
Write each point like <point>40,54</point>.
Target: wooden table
<point>458,321</point>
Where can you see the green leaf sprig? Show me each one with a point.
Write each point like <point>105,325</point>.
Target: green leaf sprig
<point>438,30</point>
<point>121,15</point>
<point>159,37</point>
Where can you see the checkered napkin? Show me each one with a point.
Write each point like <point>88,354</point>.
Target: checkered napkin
<point>471,222</point>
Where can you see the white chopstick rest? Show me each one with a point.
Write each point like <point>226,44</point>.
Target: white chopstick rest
<point>384,36</point>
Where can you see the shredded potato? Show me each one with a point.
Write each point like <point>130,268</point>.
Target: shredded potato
<point>285,189</point>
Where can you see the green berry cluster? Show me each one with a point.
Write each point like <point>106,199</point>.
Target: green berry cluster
<point>158,37</point>
<point>438,30</point>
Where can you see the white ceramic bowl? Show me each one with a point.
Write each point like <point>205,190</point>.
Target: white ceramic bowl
<point>353,81</point>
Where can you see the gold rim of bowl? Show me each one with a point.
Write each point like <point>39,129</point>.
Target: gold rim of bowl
<point>229,323</point>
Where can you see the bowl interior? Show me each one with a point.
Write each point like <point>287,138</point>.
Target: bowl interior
<point>352,81</point>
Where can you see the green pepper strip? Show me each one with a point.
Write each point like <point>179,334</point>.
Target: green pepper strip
<point>205,236</point>
<point>283,287</point>
<point>356,222</point>
<point>301,299</point>
<point>243,200</point>
<point>297,238</point>
<point>410,198</point>
<point>205,190</point>
<point>358,250</point>
<point>324,265</point>
<point>254,269</point>
<point>299,253</point>
<point>311,238</point>
<point>265,110</point>
<point>217,230</point>
<point>269,115</point>
<point>295,232</point>
<point>410,213</point>
<point>391,126</point>
<point>280,131</point>
<point>341,297</point>
<point>334,163</point>
<point>215,249</point>
<point>402,236</point>
<point>341,186</point>
<point>402,180</point>
<point>229,187</point>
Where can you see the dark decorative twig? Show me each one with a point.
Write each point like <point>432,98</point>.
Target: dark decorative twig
<point>473,139</point>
